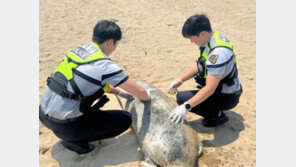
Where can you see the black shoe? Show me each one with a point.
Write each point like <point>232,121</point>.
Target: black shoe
<point>215,121</point>
<point>78,147</point>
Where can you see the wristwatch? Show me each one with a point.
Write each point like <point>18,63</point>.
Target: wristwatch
<point>187,106</point>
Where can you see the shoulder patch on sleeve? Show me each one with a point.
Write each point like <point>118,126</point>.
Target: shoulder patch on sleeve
<point>213,58</point>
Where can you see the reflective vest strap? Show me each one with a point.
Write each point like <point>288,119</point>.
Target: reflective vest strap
<point>221,46</point>
<point>75,88</point>
<point>229,79</point>
<point>88,78</point>
<point>203,61</point>
<point>225,47</point>
<point>198,57</point>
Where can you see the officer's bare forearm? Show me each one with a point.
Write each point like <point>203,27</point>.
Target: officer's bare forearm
<point>114,90</point>
<point>205,92</point>
<point>189,74</point>
<point>137,90</point>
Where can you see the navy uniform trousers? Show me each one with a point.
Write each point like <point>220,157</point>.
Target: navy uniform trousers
<point>211,107</point>
<point>89,127</point>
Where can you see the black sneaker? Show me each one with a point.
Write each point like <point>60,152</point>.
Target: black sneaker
<point>215,121</point>
<point>78,147</point>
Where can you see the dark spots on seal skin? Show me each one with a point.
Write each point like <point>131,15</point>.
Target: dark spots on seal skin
<point>146,119</point>
<point>176,144</point>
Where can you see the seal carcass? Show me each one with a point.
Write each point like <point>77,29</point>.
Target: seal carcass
<point>162,142</point>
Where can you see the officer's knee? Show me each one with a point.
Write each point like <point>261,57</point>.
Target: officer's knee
<point>180,99</point>
<point>127,120</point>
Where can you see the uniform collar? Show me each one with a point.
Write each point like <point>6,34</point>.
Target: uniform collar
<point>208,45</point>
<point>212,39</point>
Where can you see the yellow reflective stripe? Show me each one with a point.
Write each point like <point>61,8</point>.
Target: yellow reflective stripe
<point>95,56</point>
<point>73,57</point>
<point>216,35</point>
<point>66,68</point>
<point>234,54</point>
<point>220,42</point>
<point>96,45</point>
<point>198,56</point>
<point>106,88</point>
<point>205,57</point>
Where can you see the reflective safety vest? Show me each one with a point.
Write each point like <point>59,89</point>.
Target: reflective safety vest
<point>219,41</point>
<point>75,57</point>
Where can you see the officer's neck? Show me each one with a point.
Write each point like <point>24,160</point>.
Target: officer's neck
<point>105,49</point>
<point>208,36</point>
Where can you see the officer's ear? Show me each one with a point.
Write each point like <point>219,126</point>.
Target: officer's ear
<point>202,34</point>
<point>109,42</point>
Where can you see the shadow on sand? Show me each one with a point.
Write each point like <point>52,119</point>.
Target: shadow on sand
<point>223,134</point>
<point>114,151</point>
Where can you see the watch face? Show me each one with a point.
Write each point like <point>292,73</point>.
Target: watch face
<point>187,106</point>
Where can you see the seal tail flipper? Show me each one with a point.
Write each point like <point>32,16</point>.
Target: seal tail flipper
<point>148,163</point>
<point>199,153</point>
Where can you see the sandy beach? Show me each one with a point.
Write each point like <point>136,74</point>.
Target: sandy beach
<point>153,50</point>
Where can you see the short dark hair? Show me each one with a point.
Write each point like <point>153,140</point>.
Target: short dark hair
<point>196,24</point>
<point>105,30</point>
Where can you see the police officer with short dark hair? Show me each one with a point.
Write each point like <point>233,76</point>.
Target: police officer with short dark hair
<point>70,106</point>
<point>215,72</point>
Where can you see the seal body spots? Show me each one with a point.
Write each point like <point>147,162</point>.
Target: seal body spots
<point>162,142</point>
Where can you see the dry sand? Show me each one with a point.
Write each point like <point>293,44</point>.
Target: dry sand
<point>153,50</point>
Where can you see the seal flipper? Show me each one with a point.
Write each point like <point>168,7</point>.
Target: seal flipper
<point>148,163</point>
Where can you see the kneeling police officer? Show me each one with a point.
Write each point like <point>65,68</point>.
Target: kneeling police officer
<point>215,71</point>
<point>70,106</point>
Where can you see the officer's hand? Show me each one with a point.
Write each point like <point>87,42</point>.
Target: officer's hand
<point>178,114</point>
<point>174,85</point>
<point>126,95</point>
<point>149,95</point>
